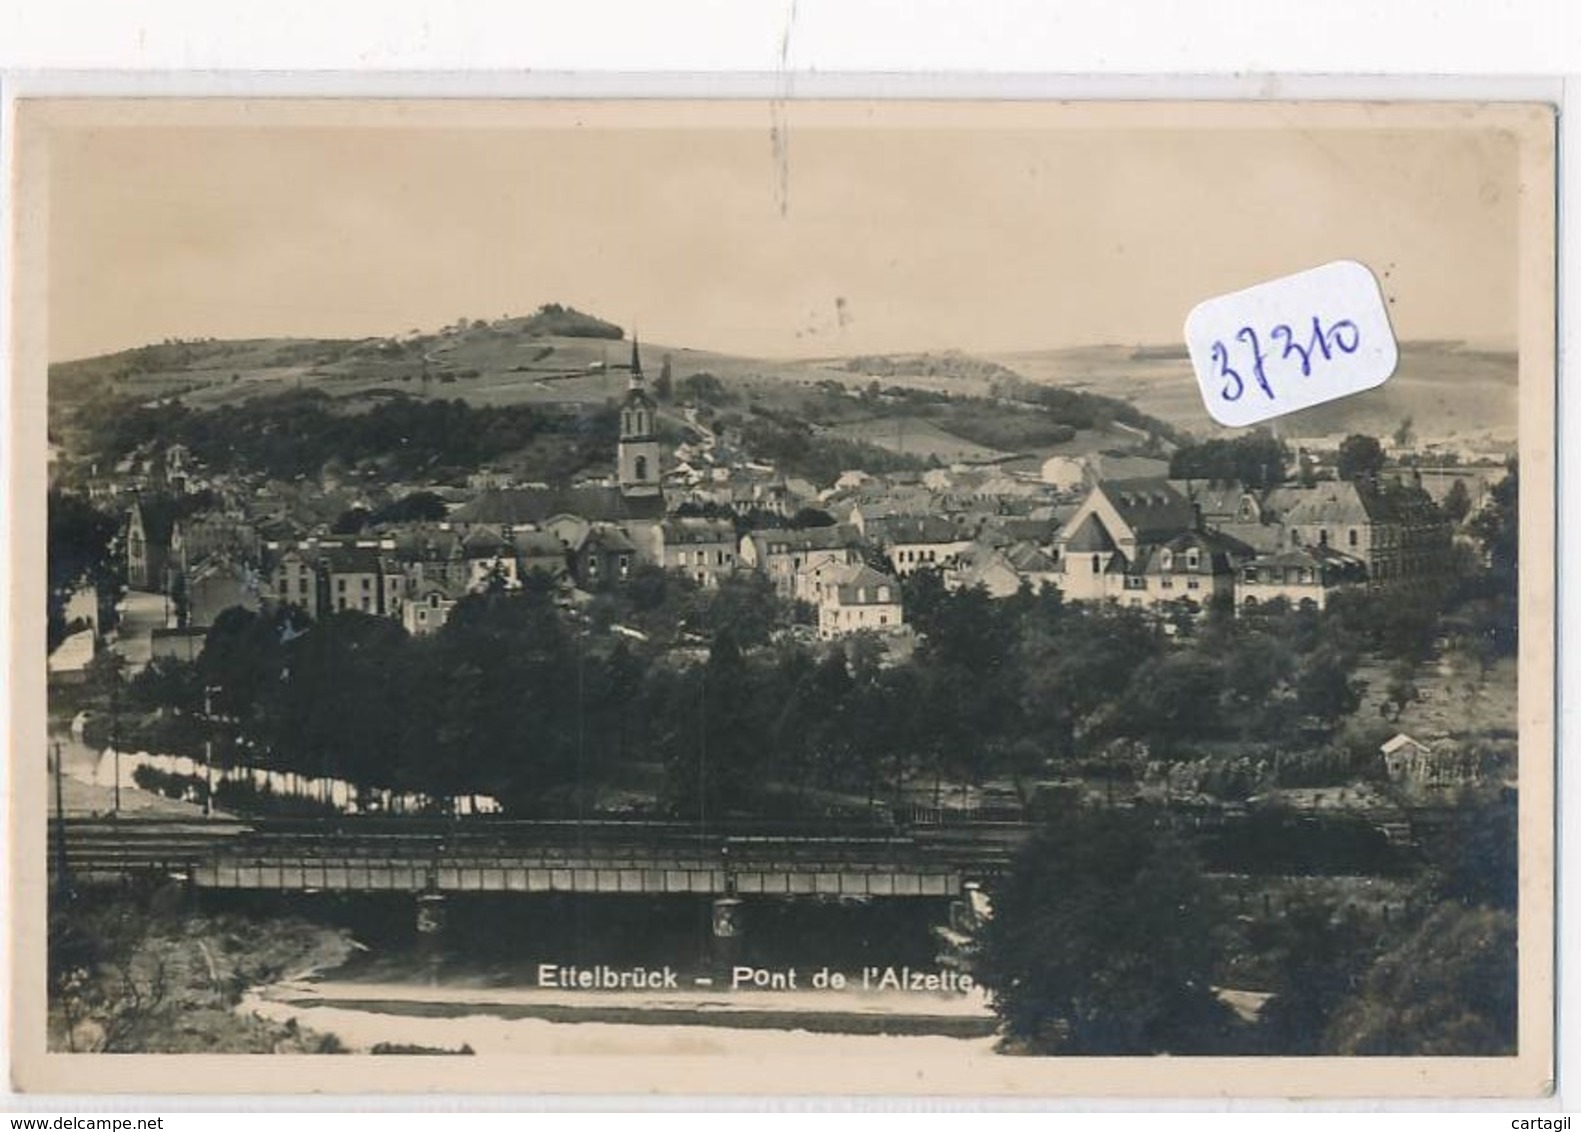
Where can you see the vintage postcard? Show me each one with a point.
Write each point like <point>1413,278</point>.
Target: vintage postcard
<point>783,597</point>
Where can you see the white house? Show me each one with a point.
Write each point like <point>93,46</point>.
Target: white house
<point>863,599</point>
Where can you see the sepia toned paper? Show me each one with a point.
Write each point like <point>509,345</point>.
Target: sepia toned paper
<point>772,242</point>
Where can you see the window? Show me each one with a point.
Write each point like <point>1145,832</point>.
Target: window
<point>433,601</point>
<point>642,467</point>
<point>1167,582</point>
<point>340,587</point>
<point>1251,574</point>
<point>883,593</point>
<point>1193,584</point>
<point>1193,559</point>
<point>1322,537</point>
<point>1250,601</point>
<point>367,583</point>
<point>683,558</point>
<point>1352,538</point>
<point>1095,566</point>
<point>422,616</point>
<point>1166,561</point>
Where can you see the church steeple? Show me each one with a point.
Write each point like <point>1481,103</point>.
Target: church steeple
<point>637,457</point>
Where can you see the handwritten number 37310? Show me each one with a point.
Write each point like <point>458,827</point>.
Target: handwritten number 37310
<point>1342,336</point>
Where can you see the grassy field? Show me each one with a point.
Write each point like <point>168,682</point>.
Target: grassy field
<point>1447,389</point>
<point>916,436</point>
<point>1457,698</point>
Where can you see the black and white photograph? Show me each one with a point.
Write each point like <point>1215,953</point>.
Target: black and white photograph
<point>760,597</point>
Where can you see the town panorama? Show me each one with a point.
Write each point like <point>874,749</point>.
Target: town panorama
<point>981,682</point>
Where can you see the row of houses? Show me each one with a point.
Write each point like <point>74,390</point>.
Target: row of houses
<point>1149,542</point>
<point>1144,541</point>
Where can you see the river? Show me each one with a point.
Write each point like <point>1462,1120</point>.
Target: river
<point>577,975</point>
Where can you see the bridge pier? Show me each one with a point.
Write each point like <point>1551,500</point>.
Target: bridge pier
<point>430,923</point>
<point>728,931</point>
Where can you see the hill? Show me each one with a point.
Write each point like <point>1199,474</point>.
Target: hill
<point>1448,389</point>
<point>922,407</point>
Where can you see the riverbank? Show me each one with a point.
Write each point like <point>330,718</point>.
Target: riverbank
<point>548,1024</point>
<point>143,974</point>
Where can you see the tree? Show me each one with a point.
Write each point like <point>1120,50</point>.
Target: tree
<point>1401,691</point>
<point>1447,989</point>
<point>811,517</point>
<point>1076,671</point>
<point>109,990</point>
<point>1360,458</point>
<point>1325,689</point>
<point>1497,527</point>
<point>1315,958</point>
<point>1405,433</point>
<point>664,384</point>
<point>415,507</point>
<point>1457,503</point>
<point>350,521</point>
<point>703,389</point>
<point>1102,940</point>
<point>1256,460</point>
<point>1173,697</point>
<point>80,541</point>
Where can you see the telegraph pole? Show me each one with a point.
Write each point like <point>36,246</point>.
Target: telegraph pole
<point>208,753</point>
<point>63,873</point>
<point>115,736</point>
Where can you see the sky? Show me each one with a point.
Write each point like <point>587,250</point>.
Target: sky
<point>764,230</point>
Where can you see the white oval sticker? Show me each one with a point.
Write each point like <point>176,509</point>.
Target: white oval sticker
<point>1291,343</point>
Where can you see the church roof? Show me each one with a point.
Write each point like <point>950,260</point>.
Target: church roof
<point>636,390</point>
<point>1090,537</point>
<point>523,505</point>
<point>1149,506</point>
